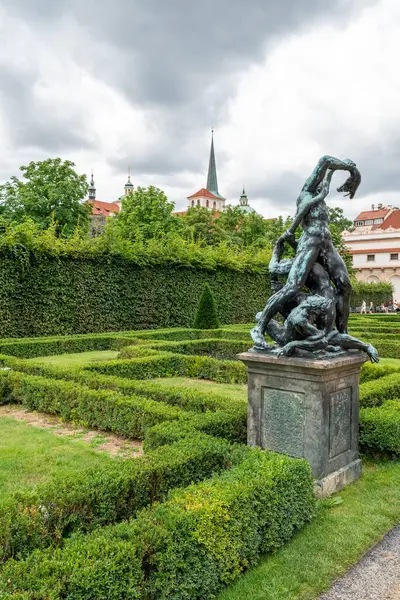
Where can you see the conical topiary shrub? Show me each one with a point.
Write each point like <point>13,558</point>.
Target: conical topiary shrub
<point>206,314</point>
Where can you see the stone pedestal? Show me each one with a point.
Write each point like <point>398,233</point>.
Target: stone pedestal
<point>307,409</point>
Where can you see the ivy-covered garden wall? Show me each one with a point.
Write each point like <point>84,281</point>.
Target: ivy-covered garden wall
<point>47,295</point>
<point>41,294</point>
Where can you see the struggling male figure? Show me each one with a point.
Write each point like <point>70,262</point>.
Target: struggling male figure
<point>310,318</point>
<point>315,243</point>
<point>317,282</point>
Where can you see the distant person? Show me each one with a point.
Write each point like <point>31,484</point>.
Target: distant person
<point>363,308</point>
<point>371,307</point>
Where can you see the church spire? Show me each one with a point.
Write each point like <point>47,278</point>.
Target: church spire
<point>244,201</point>
<point>129,184</point>
<point>212,183</point>
<point>92,189</point>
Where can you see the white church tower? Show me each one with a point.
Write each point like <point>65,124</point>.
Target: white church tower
<point>209,197</point>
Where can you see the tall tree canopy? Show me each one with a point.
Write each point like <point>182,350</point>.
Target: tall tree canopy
<point>145,214</point>
<point>199,225</point>
<point>50,191</point>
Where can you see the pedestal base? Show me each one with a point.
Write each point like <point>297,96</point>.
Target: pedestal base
<point>307,409</point>
<point>336,481</point>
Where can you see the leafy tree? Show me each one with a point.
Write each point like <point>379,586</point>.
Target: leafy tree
<point>206,314</point>
<point>199,225</point>
<point>253,231</point>
<point>51,191</point>
<point>145,214</point>
<point>230,221</point>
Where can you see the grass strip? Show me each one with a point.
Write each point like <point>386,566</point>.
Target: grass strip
<point>337,538</point>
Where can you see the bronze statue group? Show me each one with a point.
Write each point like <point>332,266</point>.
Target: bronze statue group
<point>316,320</point>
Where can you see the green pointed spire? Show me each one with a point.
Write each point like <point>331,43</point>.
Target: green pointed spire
<point>212,183</point>
<point>92,189</point>
<point>244,201</point>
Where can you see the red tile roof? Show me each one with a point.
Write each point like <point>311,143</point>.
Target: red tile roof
<point>393,220</point>
<point>104,208</point>
<point>372,214</point>
<point>203,193</point>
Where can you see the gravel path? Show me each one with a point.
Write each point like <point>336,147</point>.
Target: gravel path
<point>101,441</point>
<point>375,577</point>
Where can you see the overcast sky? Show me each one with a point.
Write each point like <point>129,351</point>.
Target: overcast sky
<point>110,84</point>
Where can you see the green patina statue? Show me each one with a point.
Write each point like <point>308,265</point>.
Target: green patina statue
<point>316,321</point>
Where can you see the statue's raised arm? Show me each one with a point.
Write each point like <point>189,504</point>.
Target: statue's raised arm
<point>317,186</point>
<point>330,163</point>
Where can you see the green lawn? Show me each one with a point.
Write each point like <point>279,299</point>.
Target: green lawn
<point>30,455</point>
<point>78,359</point>
<point>335,540</point>
<point>231,390</point>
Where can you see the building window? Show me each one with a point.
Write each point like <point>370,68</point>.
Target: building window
<point>192,203</point>
<point>359,223</point>
<point>208,204</point>
<point>198,202</point>
<point>394,256</point>
<point>369,222</point>
<point>376,221</point>
<point>214,205</point>
<point>370,257</point>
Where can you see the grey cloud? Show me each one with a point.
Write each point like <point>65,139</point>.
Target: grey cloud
<point>29,123</point>
<point>283,190</point>
<point>175,60</point>
<point>379,166</point>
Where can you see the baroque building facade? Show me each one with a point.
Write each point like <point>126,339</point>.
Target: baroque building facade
<point>374,244</point>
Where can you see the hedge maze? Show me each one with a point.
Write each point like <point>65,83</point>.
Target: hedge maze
<point>199,507</point>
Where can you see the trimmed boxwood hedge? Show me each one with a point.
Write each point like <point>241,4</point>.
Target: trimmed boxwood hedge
<point>202,537</point>
<point>127,415</point>
<point>386,349</point>
<point>110,411</point>
<point>217,348</point>
<point>370,372</point>
<point>63,345</point>
<point>167,364</point>
<point>186,398</point>
<point>380,428</point>
<point>375,317</point>
<point>185,334</point>
<point>93,497</point>
<point>374,393</point>
<point>189,547</point>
